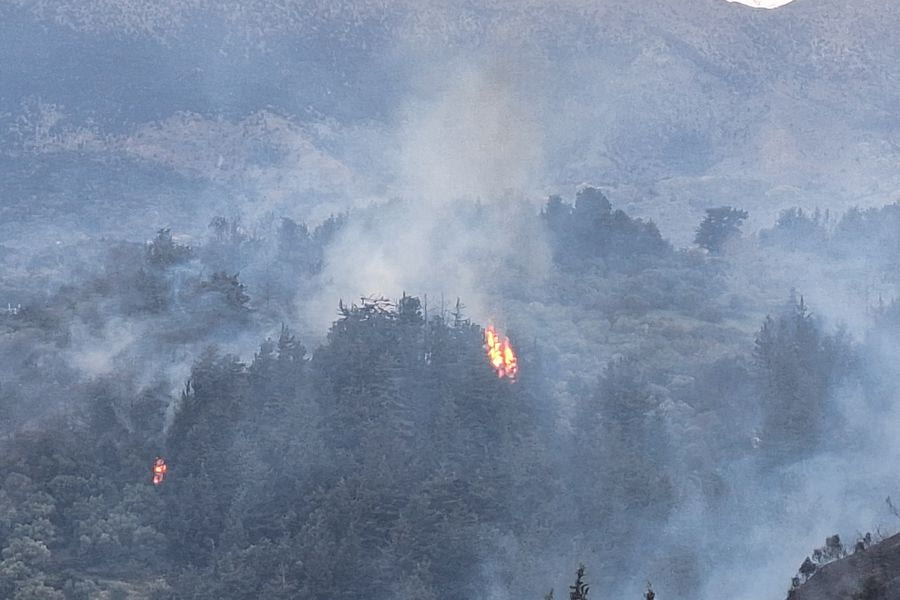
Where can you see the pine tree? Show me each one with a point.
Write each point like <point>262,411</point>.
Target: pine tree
<point>579,591</point>
<point>719,225</point>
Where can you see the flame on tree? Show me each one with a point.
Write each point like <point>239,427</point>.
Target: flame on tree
<point>500,353</point>
<point>159,470</point>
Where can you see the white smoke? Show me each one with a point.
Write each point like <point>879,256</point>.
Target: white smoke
<point>472,140</point>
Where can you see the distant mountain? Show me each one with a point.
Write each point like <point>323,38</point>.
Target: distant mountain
<point>671,106</point>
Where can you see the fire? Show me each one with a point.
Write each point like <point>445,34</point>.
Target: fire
<point>159,471</point>
<point>500,354</point>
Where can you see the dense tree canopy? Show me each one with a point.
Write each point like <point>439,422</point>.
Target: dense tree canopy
<point>719,225</point>
<point>387,458</point>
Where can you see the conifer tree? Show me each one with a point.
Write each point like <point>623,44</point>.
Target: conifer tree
<point>719,225</point>
<point>579,591</point>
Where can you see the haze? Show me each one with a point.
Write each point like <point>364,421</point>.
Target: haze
<point>263,241</point>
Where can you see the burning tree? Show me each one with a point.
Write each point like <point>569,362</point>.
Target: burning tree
<point>159,470</point>
<point>500,353</point>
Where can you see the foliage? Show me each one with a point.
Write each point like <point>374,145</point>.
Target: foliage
<point>720,225</point>
<point>163,251</point>
<point>590,232</point>
<point>579,590</point>
<point>799,230</point>
<point>798,367</point>
<point>388,460</point>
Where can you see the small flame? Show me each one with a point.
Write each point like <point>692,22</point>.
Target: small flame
<point>500,354</point>
<point>159,471</point>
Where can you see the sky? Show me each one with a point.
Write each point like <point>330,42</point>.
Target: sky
<point>763,3</point>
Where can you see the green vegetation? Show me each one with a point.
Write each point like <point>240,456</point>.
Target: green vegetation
<point>389,460</point>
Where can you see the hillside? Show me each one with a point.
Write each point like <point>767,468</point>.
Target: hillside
<point>670,106</point>
<point>871,574</point>
<point>267,246</point>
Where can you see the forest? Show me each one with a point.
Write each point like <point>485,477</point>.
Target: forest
<point>676,417</point>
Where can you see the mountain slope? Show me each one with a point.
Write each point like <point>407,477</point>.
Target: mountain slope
<point>871,574</point>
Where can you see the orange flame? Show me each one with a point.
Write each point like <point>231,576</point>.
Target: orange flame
<point>500,354</point>
<point>159,471</point>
